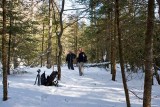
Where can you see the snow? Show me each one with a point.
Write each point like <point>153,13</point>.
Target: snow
<point>94,89</point>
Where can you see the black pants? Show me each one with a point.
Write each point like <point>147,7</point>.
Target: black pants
<point>70,65</point>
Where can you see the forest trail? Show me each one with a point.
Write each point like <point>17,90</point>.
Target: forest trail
<point>94,89</point>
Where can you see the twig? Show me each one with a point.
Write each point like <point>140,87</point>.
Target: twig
<point>135,95</point>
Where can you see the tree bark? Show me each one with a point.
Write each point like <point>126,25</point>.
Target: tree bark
<point>76,36</point>
<point>50,36</point>
<point>14,51</point>
<point>42,46</point>
<point>148,55</point>
<point>4,53</point>
<point>121,55</point>
<point>113,49</point>
<point>9,48</point>
<point>59,41</point>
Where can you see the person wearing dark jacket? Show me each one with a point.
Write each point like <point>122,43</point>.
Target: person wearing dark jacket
<point>81,59</point>
<point>69,59</point>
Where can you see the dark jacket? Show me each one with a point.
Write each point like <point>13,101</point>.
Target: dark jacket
<point>70,57</point>
<point>82,57</point>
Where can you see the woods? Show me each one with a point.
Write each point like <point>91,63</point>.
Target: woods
<point>40,32</point>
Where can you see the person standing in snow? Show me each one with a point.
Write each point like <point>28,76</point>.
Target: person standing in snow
<point>69,59</point>
<point>82,58</point>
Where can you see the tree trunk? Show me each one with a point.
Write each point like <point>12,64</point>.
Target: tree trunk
<point>113,50</point>
<point>56,53</point>
<point>148,55</point>
<point>4,53</point>
<point>59,41</point>
<point>97,50</point>
<point>42,46</point>
<point>59,58</point>
<point>50,36</point>
<point>14,51</point>
<point>9,48</point>
<point>76,36</point>
<point>121,55</point>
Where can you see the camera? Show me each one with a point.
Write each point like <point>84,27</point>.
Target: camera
<point>38,70</point>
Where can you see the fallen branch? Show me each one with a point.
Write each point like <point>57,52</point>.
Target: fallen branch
<point>135,95</point>
<point>103,64</point>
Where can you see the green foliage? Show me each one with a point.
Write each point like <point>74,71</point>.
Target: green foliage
<point>23,31</point>
<point>27,32</point>
<point>132,25</point>
<point>156,44</point>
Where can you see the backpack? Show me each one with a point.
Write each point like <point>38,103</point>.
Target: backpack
<point>43,79</point>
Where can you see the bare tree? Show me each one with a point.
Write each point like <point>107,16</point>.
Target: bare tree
<point>59,35</point>
<point>42,46</point>
<point>50,35</point>
<point>121,54</point>
<point>148,55</point>
<point>42,40</point>
<point>4,53</point>
<point>59,32</point>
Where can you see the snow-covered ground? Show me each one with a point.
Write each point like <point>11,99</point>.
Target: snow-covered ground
<point>94,89</point>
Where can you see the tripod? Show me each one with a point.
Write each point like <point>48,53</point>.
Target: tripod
<point>38,77</point>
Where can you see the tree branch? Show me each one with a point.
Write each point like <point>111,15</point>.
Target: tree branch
<point>77,18</point>
<point>135,94</point>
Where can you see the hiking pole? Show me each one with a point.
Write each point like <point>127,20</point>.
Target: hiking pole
<point>35,81</point>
